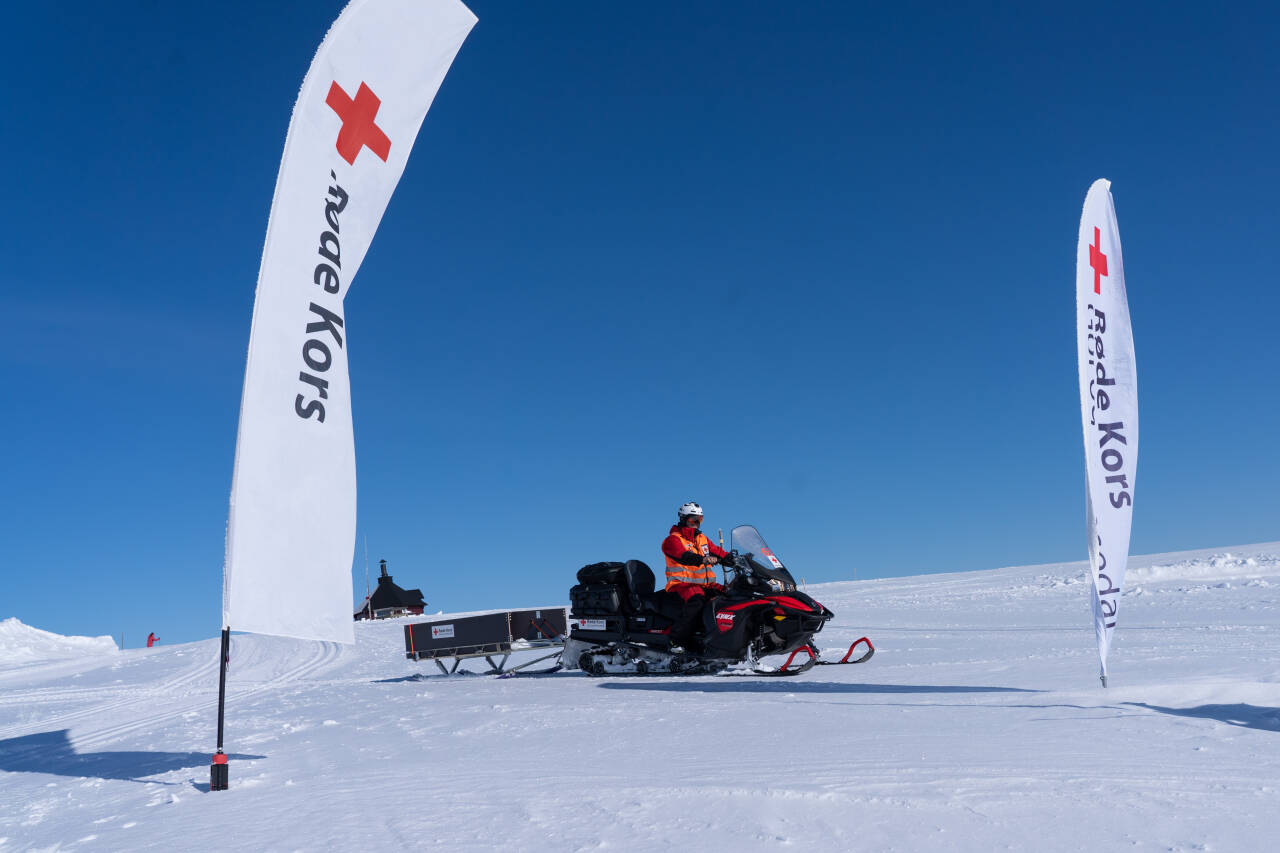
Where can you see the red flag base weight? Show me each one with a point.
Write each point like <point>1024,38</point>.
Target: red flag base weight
<point>218,772</point>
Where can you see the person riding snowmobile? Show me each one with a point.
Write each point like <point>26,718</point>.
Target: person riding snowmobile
<point>691,559</point>
<point>690,554</point>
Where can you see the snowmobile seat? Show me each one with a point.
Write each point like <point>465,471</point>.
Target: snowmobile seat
<point>640,583</point>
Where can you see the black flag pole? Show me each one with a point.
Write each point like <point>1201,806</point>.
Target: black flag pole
<point>218,771</point>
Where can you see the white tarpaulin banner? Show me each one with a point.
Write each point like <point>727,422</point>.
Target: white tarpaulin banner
<point>1109,405</point>
<point>291,528</point>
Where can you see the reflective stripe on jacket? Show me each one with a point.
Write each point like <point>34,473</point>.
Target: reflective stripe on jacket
<point>686,540</point>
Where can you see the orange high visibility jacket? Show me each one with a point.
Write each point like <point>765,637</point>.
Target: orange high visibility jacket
<point>685,546</point>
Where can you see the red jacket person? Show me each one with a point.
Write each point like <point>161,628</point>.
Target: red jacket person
<point>691,556</point>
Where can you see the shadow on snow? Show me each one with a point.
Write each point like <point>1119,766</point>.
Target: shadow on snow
<point>747,685</point>
<point>1243,715</point>
<point>52,752</point>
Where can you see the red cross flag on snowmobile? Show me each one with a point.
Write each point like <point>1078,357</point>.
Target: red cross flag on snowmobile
<point>291,528</point>
<point>1108,404</point>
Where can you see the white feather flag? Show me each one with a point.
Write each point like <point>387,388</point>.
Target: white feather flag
<point>291,528</point>
<point>1109,405</point>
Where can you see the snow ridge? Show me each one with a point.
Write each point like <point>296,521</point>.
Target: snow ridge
<point>22,644</point>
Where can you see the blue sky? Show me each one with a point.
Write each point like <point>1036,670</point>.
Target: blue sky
<point>811,265</point>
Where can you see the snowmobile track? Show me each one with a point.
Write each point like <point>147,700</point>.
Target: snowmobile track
<point>162,702</point>
<point>322,654</point>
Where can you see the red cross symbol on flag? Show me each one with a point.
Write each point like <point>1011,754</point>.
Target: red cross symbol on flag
<point>358,130</point>
<point>1097,260</point>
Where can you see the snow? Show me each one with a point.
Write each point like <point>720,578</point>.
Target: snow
<point>979,724</point>
<point>21,644</point>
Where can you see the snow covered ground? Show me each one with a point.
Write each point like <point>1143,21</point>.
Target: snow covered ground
<point>979,724</point>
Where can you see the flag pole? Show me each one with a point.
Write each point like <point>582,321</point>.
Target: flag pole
<point>368,596</point>
<point>724,573</point>
<point>218,771</point>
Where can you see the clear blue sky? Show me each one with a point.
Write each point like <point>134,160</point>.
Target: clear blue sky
<point>811,265</point>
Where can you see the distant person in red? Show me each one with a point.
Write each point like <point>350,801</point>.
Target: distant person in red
<point>152,639</point>
<point>691,560</point>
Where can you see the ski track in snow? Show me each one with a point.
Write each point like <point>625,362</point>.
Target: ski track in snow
<point>978,724</point>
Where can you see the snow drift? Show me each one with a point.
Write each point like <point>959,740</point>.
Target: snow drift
<point>22,644</point>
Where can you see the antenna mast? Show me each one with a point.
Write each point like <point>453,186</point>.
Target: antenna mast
<point>368,596</point>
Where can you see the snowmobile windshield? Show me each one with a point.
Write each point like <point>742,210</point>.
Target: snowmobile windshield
<point>750,545</point>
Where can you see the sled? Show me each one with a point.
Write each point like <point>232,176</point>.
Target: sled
<point>487,636</point>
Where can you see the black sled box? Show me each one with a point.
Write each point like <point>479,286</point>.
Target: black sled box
<point>485,633</point>
<point>536,626</point>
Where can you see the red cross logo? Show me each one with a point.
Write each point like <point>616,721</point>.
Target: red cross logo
<point>1097,260</point>
<point>358,130</point>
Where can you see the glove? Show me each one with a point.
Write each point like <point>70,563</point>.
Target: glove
<point>729,561</point>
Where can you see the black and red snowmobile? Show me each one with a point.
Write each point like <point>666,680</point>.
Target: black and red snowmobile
<point>621,625</point>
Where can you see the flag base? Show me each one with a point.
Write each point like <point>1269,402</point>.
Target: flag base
<point>218,772</point>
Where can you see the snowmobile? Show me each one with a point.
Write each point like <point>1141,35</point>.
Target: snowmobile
<point>619,624</point>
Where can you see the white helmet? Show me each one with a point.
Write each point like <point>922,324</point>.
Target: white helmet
<point>689,508</point>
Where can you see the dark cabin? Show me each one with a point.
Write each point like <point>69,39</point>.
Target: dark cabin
<point>389,600</point>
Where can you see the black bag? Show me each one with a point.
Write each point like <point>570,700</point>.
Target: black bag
<point>602,573</point>
<point>612,588</point>
<point>595,600</point>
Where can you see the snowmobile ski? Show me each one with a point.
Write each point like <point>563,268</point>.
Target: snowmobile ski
<point>787,669</point>
<point>871,650</point>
